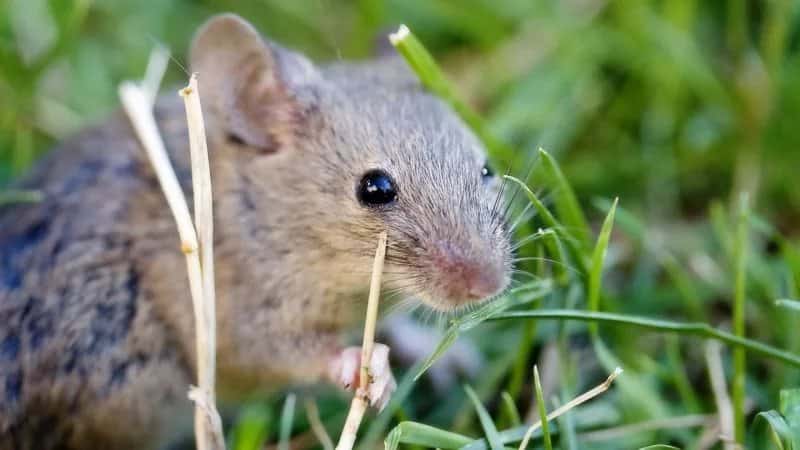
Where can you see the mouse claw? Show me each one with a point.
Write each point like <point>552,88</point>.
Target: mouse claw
<point>344,371</point>
<point>382,382</point>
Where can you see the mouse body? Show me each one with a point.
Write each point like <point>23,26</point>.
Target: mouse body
<point>309,164</point>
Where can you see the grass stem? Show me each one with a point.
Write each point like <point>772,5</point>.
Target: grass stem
<point>360,400</point>
<point>739,299</point>
<point>692,328</point>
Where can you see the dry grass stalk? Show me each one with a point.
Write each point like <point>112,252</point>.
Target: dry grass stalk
<point>586,396</point>
<point>312,413</point>
<point>207,427</point>
<point>361,398</point>
<point>137,100</point>
<point>716,374</point>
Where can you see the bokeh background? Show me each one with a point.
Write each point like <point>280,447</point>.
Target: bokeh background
<point>674,106</point>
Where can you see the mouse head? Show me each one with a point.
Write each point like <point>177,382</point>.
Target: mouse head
<point>335,155</point>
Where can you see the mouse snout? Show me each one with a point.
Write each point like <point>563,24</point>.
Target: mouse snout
<point>464,277</point>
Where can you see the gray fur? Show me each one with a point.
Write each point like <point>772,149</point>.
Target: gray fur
<point>95,319</point>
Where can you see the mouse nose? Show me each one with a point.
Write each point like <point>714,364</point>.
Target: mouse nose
<point>463,277</point>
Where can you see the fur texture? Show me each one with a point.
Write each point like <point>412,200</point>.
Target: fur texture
<point>96,334</point>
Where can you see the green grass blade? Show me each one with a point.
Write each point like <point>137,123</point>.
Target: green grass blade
<point>487,424</point>
<point>587,417</point>
<point>537,384</point>
<point>790,409</point>
<point>519,369</point>
<point>598,256</point>
<point>779,430</point>
<point>788,304</point>
<point>549,220</point>
<point>526,293</point>
<point>634,391</point>
<point>739,361</point>
<point>414,433</point>
<point>252,428</point>
<point>660,447</point>
<point>448,339</point>
<point>432,77</point>
<point>510,409</point>
<point>692,328</point>
<point>677,272</point>
<point>567,206</point>
<point>287,418</point>
<point>677,367</point>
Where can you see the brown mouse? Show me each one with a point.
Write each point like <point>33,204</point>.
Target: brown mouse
<point>308,165</point>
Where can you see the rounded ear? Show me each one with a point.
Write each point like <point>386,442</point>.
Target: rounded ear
<point>252,86</point>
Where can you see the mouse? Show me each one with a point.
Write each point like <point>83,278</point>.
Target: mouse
<point>309,163</point>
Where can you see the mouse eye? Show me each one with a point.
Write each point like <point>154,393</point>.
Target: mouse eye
<point>487,171</point>
<point>376,188</point>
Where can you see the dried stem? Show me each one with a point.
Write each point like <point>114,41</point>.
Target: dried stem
<point>312,413</point>
<point>586,396</point>
<point>360,400</point>
<point>137,100</point>
<point>716,373</point>
<point>205,309</point>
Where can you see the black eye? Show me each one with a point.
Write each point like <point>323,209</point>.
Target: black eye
<point>487,171</point>
<point>376,188</point>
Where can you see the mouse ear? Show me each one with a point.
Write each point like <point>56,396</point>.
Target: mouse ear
<point>257,91</point>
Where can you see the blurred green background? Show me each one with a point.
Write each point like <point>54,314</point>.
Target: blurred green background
<point>676,107</point>
<point>665,103</point>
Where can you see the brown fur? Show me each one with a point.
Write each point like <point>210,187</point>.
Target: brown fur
<point>96,334</point>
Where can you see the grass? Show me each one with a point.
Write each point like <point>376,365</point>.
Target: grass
<point>675,108</point>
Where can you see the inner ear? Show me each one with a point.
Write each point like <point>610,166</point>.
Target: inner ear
<point>250,85</point>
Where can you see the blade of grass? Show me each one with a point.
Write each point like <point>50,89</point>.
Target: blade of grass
<point>489,429</point>
<point>524,349</point>
<point>591,416</point>
<point>252,428</point>
<point>415,433</point>
<point>510,409</point>
<point>537,383</point>
<point>779,430</point>
<point>548,219</point>
<point>678,274</point>
<point>566,202</point>
<point>287,418</point>
<point>598,256</point>
<point>432,77</point>
<point>586,396</point>
<point>312,414</point>
<point>788,304</point>
<point>566,424</point>
<point>691,328</point>
<point>680,379</point>
<point>523,294</point>
<point>739,361</point>
<point>790,409</point>
<point>485,386</point>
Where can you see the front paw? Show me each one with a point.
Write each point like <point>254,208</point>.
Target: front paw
<point>344,371</point>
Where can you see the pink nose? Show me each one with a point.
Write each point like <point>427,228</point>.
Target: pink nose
<point>465,278</point>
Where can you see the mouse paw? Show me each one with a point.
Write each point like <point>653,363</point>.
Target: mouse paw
<point>344,371</point>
